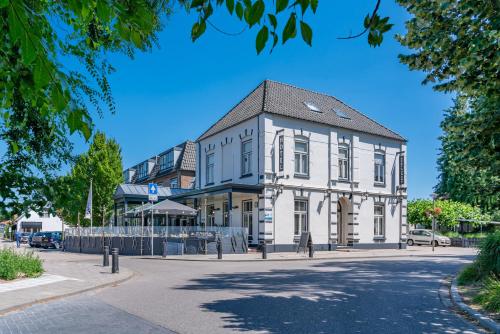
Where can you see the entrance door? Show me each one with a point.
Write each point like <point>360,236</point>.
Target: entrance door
<point>247,219</point>
<point>341,226</point>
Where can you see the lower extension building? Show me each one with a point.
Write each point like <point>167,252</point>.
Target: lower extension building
<point>286,160</point>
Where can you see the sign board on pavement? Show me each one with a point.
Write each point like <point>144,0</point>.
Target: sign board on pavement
<point>152,192</point>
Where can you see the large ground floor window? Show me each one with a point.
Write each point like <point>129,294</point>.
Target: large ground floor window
<point>300,217</point>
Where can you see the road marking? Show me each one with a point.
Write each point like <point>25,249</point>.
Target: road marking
<point>32,282</point>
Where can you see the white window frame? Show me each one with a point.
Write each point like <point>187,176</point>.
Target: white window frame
<point>378,221</point>
<point>379,169</point>
<point>344,163</point>
<point>301,158</point>
<point>300,217</point>
<point>210,168</point>
<point>246,158</point>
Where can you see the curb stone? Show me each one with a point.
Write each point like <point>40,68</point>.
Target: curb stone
<point>285,259</point>
<point>69,294</point>
<point>481,318</point>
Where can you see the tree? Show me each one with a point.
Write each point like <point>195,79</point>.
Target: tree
<point>468,168</point>
<point>419,212</point>
<point>456,44</point>
<point>43,97</point>
<point>103,165</point>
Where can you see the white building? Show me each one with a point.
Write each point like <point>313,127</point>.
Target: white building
<point>39,223</point>
<point>286,160</point>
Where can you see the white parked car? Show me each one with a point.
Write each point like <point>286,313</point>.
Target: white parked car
<point>424,237</point>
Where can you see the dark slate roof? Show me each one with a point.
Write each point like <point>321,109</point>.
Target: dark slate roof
<point>289,101</point>
<point>186,162</point>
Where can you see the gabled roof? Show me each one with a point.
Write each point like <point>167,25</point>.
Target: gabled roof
<point>290,101</point>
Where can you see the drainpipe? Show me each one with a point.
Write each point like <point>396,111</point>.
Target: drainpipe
<point>329,193</point>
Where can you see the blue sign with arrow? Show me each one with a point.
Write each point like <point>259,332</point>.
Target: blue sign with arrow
<point>152,192</point>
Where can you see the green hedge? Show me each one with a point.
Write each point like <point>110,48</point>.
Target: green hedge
<point>14,265</point>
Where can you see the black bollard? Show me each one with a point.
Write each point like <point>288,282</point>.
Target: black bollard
<point>264,251</point>
<point>311,251</point>
<point>105,259</point>
<point>164,247</point>
<point>219,249</point>
<point>114,261</point>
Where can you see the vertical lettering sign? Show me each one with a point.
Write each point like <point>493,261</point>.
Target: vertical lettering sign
<point>281,152</point>
<point>401,170</point>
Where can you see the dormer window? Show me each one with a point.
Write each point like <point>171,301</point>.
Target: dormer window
<point>312,106</point>
<point>142,170</point>
<point>167,160</point>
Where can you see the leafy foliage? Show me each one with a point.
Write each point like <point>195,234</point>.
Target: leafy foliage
<point>455,43</point>
<point>451,212</point>
<point>489,296</point>
<point>103,165</point>
<point>266,15</point>
<point>14,265</point>
<point>43,98</point>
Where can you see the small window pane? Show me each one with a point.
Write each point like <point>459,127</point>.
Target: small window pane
<point>300,146</point>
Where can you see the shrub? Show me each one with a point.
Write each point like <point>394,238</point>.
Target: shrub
<point>488,259</point>
<point>468,275</point>
<point>489,296</point>
<point>14,265</point>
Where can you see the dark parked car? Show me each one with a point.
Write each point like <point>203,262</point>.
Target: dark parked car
<point>47,240</point>
<point>36,240</point>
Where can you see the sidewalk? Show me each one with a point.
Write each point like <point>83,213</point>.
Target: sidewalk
<point>65,274</point>
<point>417,251</point>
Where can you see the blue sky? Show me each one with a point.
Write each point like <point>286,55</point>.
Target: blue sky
<point>176,92</point>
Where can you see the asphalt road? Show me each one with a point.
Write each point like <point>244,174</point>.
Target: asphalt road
<point>387,295</point>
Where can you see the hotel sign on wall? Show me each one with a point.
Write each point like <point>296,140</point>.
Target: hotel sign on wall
<point>281,148</point>
<point>401,169</point>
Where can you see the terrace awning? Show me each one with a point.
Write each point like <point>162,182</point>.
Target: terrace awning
<point>164,207</point>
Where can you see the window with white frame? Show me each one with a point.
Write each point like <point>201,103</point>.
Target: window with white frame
<point>300,216</point>
<point>247,215</point>
<point>379,167</point>
<point>174,183</point>
<point>343,162</point>
<point>246,157</point>
<point>210,168</point>
<point>378,220</point>
<point>301,150</point>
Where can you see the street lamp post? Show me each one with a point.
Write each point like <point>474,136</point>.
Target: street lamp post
<point>433,220</point>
